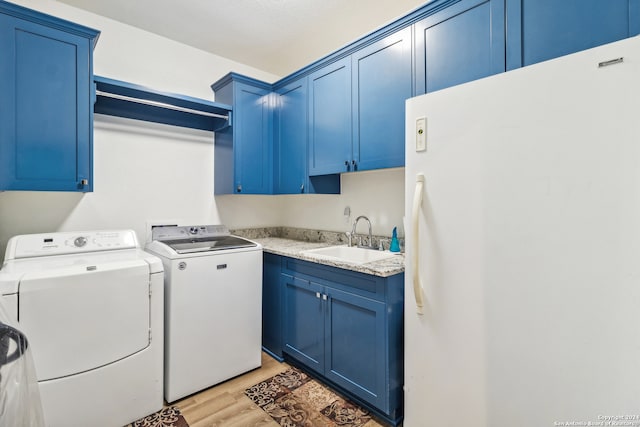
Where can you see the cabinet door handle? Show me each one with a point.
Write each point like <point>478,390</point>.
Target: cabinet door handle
<point>84,182</point>
<point>239,188</point>
<point>324,297</point>
<point>302,187</point>
<point>355,165</point>
<point>346,163</point>
<point>317,294</point>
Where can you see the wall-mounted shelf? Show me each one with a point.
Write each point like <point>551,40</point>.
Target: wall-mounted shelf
<point>122,99</point>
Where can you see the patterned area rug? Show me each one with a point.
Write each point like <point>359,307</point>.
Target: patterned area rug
<point>293,399</point>
<point>166,417</point>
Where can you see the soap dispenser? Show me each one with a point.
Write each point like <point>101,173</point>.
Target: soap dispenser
<point>395,246</point>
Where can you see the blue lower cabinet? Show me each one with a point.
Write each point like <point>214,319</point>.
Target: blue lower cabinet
<point>46,108</point>
<point>460,43</point>
<point>346,327</point>
<point>305,312</point>
<point>271,305</point>
<point>355,346</point>
<point>539,30</point>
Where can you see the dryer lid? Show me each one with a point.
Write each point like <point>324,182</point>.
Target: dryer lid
<point>78,319</point>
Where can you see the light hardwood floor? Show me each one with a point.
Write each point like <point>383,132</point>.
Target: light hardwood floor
<point>226,404</point>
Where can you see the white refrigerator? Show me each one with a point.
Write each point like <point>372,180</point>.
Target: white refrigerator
<point>523,246</point>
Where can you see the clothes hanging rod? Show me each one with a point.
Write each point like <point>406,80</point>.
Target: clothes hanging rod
<point>160,104</point>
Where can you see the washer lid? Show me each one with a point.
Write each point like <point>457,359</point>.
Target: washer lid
<point>199,238</point>
<point>185,246</point>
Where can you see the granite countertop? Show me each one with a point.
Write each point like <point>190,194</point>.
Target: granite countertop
<point>294,249</point>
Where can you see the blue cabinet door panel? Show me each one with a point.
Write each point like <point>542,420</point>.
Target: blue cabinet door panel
<point>252,148</point>
<point>355,352</point>
<point>291,138</point>
<point>304,322</point>
<point>347,327</point>
<point>382,82</point>
<point>330,118</point>
<point>539,30</point>
<point>461,43</point>
<point>45,67</point>
<point>271,305</point>
<point>46,108</point>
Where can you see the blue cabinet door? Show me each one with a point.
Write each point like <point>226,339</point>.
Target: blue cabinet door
<point>272,305</point>
<point>330,137</point>
<point>347,327</point>
<point>252,143</point>
<point>381,83</point>
<point>290,138</point>
<point>355,351</point>
<point>539,30</point>
<point>46,108</point>
<point>461,43</point>
<point>304,322</point>
<point>243,153</point>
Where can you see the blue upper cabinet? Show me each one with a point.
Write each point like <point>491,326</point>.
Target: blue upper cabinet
<point>243,153</point>
<point>46,107</point>
<point>381,83</point>
<point>330,136</point>
<point>291,128</point>
<point>290,138</point>
<point>356,108</point>
<point>539,30</point>
<point>460,43</point>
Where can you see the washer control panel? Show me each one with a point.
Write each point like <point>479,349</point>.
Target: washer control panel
<point>188,232</point>
<point>61,243</point>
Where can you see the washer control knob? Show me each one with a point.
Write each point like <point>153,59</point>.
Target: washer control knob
<point>193,230</point>
<point>80,241</point>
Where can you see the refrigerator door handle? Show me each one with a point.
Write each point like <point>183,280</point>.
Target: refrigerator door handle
<point>415,258</point>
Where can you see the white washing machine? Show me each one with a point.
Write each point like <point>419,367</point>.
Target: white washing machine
<point>213,306</point>
<point>90,305</point>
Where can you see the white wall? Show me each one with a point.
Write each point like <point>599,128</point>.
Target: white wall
<point>377,194</point>
<point>149,172</point>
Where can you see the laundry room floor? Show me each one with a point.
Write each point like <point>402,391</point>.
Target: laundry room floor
<point>228,405</point>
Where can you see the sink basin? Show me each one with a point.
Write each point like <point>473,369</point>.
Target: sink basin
<point>349,254</point>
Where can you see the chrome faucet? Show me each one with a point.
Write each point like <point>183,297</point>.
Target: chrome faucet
<point>353,231</point>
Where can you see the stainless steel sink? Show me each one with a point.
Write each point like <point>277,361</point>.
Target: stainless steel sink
<point>349,254</point>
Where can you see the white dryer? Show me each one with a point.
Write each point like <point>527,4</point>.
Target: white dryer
<point>91,307</point>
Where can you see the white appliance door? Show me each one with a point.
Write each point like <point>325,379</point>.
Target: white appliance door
<point>80,318</point>
<point>529,247</point>
<point>213,319</point>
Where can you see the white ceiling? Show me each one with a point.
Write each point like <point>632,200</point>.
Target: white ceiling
<point>277,36</point>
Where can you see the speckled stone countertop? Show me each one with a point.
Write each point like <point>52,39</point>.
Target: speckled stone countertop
<point>291,242</point>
